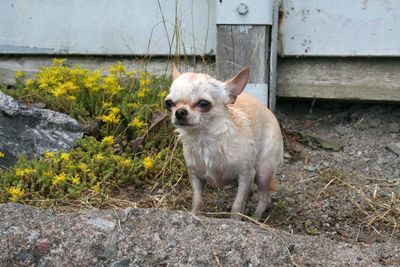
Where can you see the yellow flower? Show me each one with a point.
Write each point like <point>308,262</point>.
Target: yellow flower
<point>147,163</point>
<point>58,179</point>
<point>16,193</point>
<point>123,161</point>
<point>29,83</point>
<point>133,105</point>
<point>98,157</point>
<point>2,155</point>
<point>96,187</point>
<point>111,85</point>
<point>143,92</point>
<point>72,98</point>
<point>144,79</point>
<point>64,89</point>
<point>162,94</point>
<point>84,167</point>
<point>22,172</point>
<point>76,179</point>
<point>19,74</point>
<point>113,116</point>
<point>137,123</point>
<point>114,69</point>
<point>48,173</point>
<point>19,172</point>
<point>65,156</point>
<point>109,140</point>
<point>91,82</point>
<point>92,176</point>
<point>107,105</point>
<point>49,155</point>
<point>59,61</point>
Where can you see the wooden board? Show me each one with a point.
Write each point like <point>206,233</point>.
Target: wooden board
<point>339,78</point>
<point>243,45</point>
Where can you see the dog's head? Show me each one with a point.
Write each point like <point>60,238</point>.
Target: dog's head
<point>196,99</point>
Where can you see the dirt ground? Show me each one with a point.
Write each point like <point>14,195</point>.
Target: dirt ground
<point>339,180</point>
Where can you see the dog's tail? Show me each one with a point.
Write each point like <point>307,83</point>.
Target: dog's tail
<point>273,185</point>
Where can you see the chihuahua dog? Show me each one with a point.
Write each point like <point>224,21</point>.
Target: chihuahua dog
<point>227,136</point>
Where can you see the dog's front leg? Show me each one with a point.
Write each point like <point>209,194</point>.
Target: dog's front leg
<point>244,187</point>
<point>197,187</point>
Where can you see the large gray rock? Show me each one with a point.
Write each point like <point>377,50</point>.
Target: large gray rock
<point>31,131</point>
<point>152,237</point>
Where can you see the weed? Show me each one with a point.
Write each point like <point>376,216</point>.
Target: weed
<point>135,145</point>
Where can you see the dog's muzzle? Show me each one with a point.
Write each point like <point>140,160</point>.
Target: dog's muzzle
<point>181,116</point>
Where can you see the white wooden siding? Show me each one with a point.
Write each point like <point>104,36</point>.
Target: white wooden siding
<point>105,27</point>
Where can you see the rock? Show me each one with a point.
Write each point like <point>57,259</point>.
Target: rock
<point>181,240</point>
<point>31,131</point>
<point>394,127</point>
<point>343,130</point>
<point>7,159</point>
<point>394,147</point>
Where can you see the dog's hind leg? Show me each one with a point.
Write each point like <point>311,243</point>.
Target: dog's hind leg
<point>264,177</point>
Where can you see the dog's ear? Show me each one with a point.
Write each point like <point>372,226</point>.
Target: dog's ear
<point>236,85</point>
<point>175,72</point>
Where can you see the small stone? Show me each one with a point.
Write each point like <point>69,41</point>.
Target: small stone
<point>311,168</point>
<point>342,130</point>
<point>121,263</point>
<point>33,237</point>
<point>380,160</point>
<point>102,224</point>
<point>359,258</point>
<point>39,105</point>
<point>293,248</point>
<point>42,246</point>
<point>394,127</point>
<point>394,147</point>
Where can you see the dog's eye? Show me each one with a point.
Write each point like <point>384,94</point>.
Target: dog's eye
<point>169,104</point>
<point>203,104</point>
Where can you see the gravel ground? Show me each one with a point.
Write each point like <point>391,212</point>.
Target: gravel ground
<point>323,189</point>
<point>369,160</point>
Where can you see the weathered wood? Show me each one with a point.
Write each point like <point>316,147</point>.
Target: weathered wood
<point>273,57</point>
<point>30,65</point>
<point>243,45</point>
<point>340,78</point>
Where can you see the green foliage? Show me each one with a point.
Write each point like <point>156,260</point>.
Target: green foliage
<point>136,145</point>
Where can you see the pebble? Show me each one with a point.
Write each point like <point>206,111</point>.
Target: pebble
<point>311,168</point>
<point>102,224</point>
<point>293,248</point>
<point>42,246</point>
<point>325,216</point>
<point>33,237</point>
<point>121,263</point>
<point>394,147</point>
<point>394,127</point>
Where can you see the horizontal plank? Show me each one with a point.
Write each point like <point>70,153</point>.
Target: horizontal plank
<point>340,28</point>
<point>339,78</point>
<point>30,65</point>
<point>103,27</point>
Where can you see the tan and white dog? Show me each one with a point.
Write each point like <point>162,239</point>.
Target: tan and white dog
<point>227,136</point>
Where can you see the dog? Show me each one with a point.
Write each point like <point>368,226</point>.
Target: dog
<point>228,136</point>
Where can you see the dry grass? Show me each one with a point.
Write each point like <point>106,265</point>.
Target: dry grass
<point>379,201</point>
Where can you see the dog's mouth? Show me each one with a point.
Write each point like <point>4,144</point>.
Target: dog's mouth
<point>182,124</point>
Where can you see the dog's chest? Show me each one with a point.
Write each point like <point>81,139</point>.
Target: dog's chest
<point>210,159</point>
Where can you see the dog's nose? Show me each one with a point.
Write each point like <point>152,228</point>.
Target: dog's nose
<point>181,114</point>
